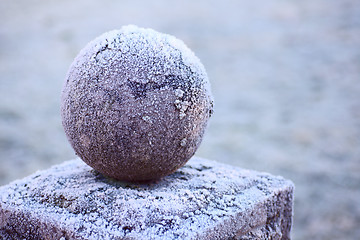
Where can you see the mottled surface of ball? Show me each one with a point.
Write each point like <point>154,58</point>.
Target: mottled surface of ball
<point>135,104</point>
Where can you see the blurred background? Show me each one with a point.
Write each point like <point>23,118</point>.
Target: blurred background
<point>285,76</point>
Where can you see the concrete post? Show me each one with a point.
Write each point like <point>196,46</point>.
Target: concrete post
<point>202,200</point>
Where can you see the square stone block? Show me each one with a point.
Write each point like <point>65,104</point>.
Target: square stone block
<point>202,200</point>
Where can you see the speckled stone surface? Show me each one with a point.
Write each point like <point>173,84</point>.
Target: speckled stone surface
<point>135,104</point>
<point>202,200</point>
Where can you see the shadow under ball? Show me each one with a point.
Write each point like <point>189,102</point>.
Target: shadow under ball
<point>135,104</point>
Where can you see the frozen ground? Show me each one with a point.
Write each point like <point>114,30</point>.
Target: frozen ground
<point>285,77</point>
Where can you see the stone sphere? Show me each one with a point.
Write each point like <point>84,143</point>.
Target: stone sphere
<point>135,104</point>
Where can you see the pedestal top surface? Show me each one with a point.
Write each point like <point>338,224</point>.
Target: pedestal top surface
<point>195,202</point>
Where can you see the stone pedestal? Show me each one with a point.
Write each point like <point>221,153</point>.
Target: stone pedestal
<point>202,200</point>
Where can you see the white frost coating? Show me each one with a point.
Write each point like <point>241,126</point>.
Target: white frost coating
<point>169,45</point>
<point>203,200</point>
<point>183,142</point>
<point>179,93</point>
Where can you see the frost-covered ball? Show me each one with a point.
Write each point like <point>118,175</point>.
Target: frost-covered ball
<point>135,104</point>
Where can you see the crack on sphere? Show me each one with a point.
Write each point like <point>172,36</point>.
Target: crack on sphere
<point>139,90</point>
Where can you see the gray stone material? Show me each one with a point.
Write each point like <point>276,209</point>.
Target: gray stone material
<point>202,200</point>
<point>135,104</point>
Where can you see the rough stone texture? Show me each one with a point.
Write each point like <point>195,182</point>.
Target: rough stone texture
<point>136,103</point>
<point>202,200</point>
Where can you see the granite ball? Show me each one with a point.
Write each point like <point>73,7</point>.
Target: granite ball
<point>135,104</point>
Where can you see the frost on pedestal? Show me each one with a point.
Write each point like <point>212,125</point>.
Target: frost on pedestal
<point>202,200</point>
